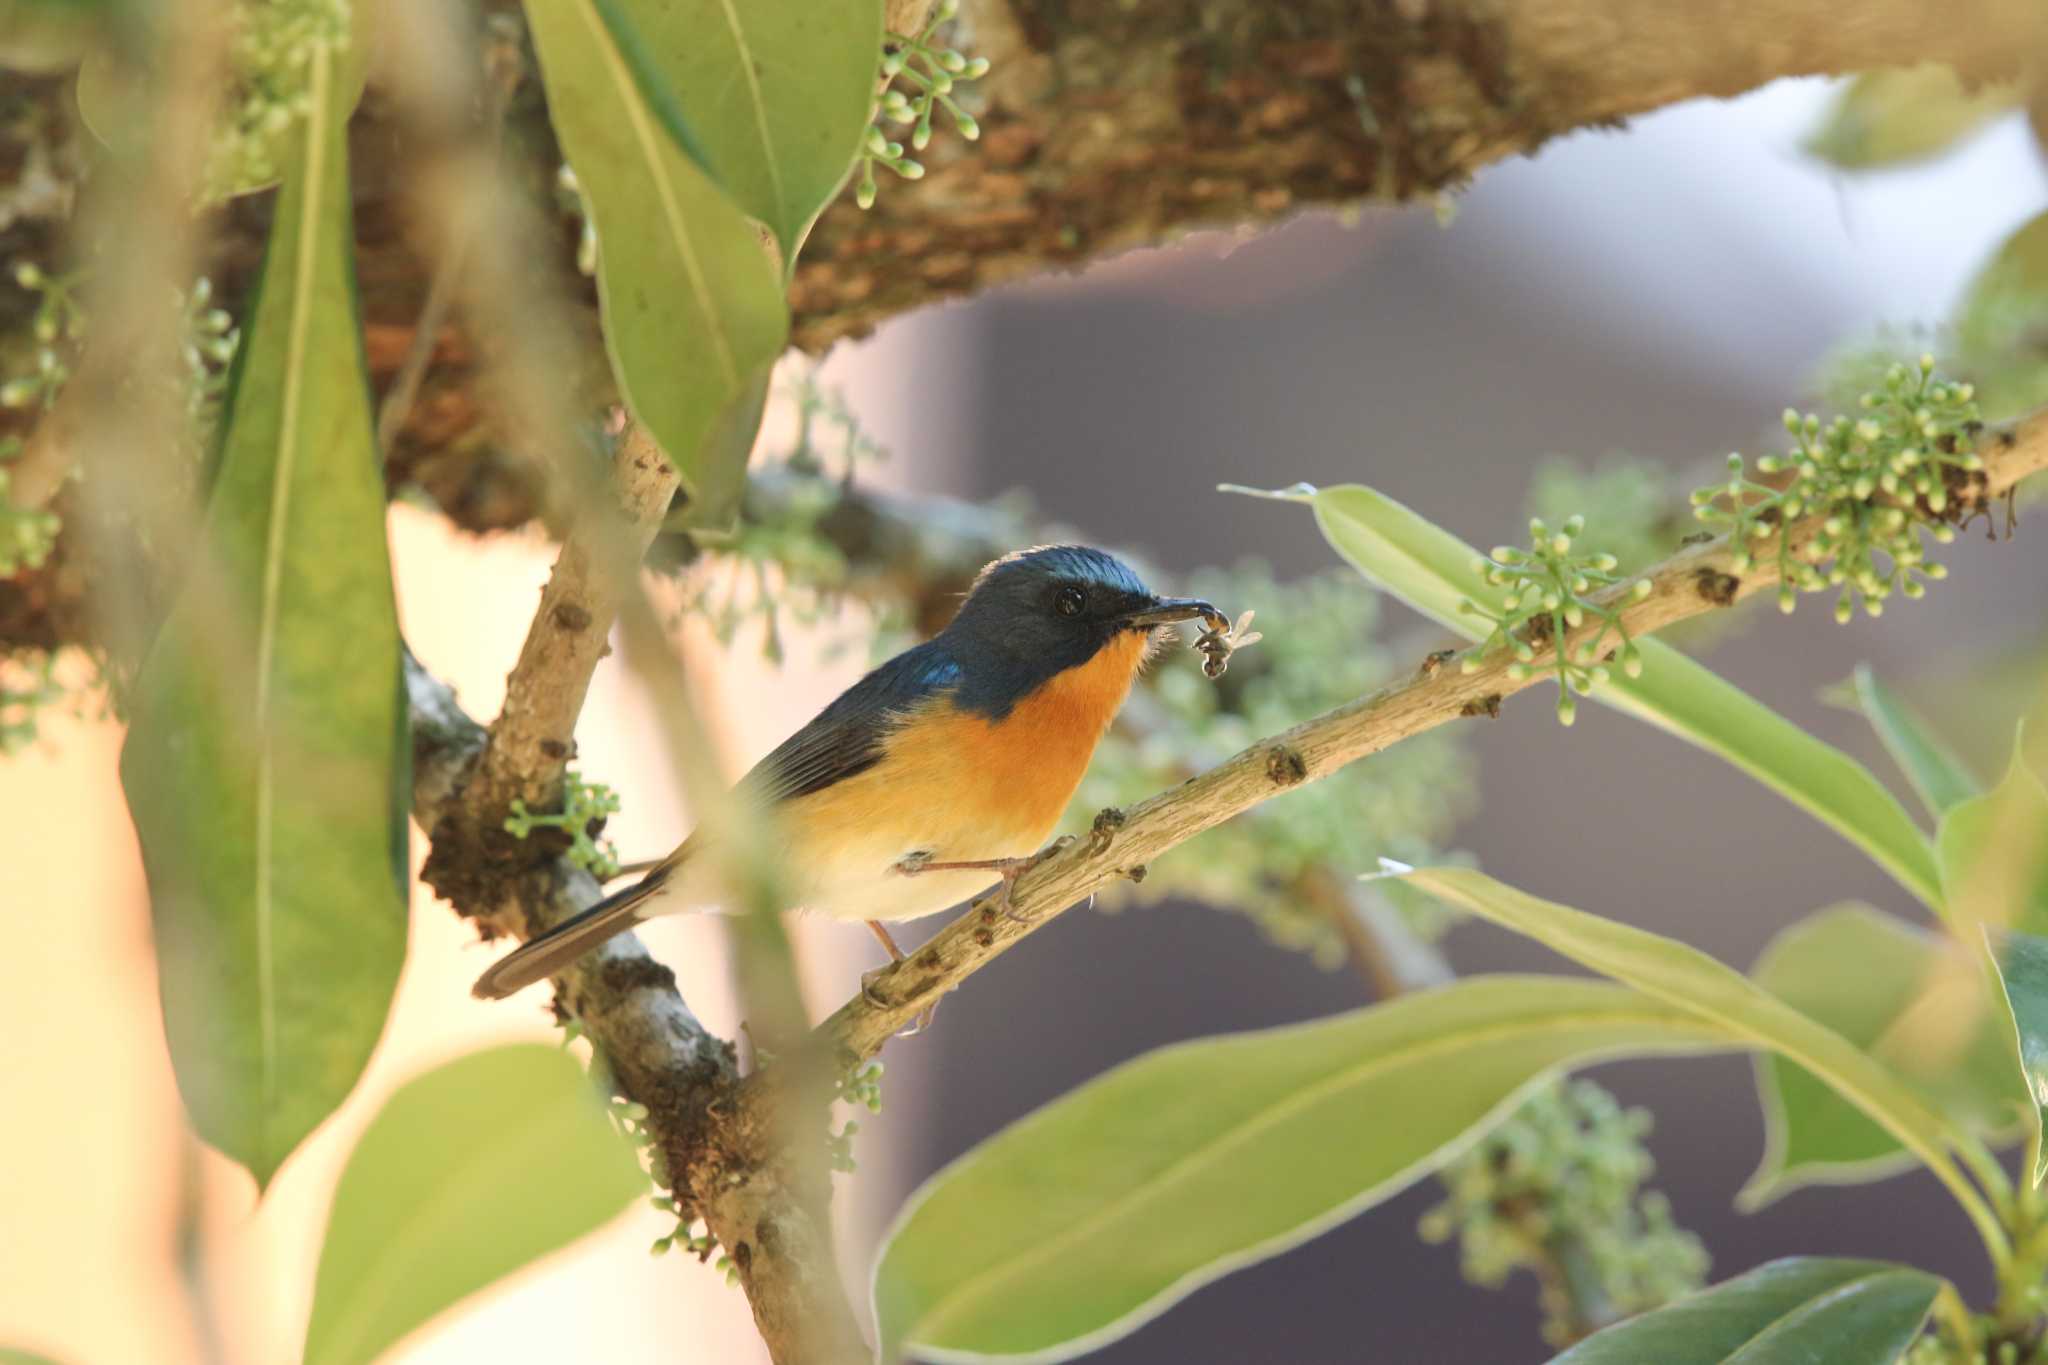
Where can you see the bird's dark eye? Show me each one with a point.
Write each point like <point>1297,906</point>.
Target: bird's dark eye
<point>1070,601</point>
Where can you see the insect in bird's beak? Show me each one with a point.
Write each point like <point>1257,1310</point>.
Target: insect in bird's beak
<point>1218,639</point>
<point>1165,611</point>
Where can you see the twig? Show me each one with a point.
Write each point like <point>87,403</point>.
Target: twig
<point>1311,750</point>
<point>532,739</point>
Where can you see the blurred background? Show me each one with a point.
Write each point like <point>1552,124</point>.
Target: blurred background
<point>1658,293</point>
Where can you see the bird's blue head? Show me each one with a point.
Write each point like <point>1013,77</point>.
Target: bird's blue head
<point>1035,614</point>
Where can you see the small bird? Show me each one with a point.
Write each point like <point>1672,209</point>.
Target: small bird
<point>937,774</point>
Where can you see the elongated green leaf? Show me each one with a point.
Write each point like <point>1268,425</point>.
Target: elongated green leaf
<point>1083,1220</point>
<point>1998,324</point>
<point>1431,570</point>
<point>771,96</point>
<point>1668,970</point>
<point>692,304</point>
<point>267,762</point>
<point>1906,114</point>
<point>11,1356</point>
<point>1939,778</point>
<point>1915,1001</point>
<point>2022,962</point>
<point>1798,1311</point>
<point>467,1174</point>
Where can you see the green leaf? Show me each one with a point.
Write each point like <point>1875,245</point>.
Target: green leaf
<point>2022,963</point>
<point>1913,1000</point>
<point>1999,342</point>
<point>772,97</point>
<point>1798,1311</point>
<point>11,1356</point>
<point>1668,970</point>
<point>1083,1220</point>
<point>468,1173</point>
<point>267,761</point>
<point>249,145</point>
<point>1904,114</point>
<point>1994,854</point>
<point>1939,778</point>
<point>692,304</point>
<point>1431,570</point>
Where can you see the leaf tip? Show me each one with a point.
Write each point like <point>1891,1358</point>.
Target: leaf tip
<point>1294,492</point>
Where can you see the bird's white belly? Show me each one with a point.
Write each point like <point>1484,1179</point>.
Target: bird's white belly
<point>857,880</point>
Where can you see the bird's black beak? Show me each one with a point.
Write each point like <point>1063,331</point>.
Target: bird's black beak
<point>1165,611</point>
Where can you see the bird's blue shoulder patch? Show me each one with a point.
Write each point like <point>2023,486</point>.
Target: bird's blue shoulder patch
<point>847,737</point>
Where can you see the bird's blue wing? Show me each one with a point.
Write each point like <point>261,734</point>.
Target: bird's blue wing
<point>847,737</point>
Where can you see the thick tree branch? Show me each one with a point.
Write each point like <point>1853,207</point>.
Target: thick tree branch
<point>1690,583</point>
<point>1109,126</point>
<point>734,1168</point>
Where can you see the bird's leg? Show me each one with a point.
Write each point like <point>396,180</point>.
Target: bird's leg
<point>867,980</point>
<point>1009,869</point>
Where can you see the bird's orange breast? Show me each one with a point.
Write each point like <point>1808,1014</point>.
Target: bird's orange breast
<point>971,787</point>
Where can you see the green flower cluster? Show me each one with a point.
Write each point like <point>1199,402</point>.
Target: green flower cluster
<point>28,683</point>
<point>270,51</point>
<point>585,807</point>
<point>1875,482</point>
<point>27,534</point>
<point>861,1086</point>
<point>207,341</point>
<point>1319,651</point>
<point>1551,592</point>
<point>931,72</point>
<point>1556,1189</point>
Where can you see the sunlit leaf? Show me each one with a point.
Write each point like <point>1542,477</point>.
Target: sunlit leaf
<point>1798,1311</point>
<point>1915,1001</point>
<point>1904,114</point>
<point>11,1356</point>
<point>1677,974</point>
<point>1939,778</point>
<point>771,96</point>
<point>1083,1220</point>
<point>692,303</point>
<point>2001,327</point>
<point>266,763</point>
<point>468,1173</point>
<point>1431,570</point>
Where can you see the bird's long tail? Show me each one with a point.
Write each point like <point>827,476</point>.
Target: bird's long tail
<point>567,941</point>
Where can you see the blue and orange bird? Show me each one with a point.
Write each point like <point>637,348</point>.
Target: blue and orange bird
<point>938,773</point>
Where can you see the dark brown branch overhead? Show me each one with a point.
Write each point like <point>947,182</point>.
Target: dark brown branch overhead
<point>1109,125</point>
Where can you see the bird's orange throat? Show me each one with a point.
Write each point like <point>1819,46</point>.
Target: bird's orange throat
<point>1084,699</point>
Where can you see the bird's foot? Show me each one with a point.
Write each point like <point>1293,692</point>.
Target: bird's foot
<point>1009,869</point>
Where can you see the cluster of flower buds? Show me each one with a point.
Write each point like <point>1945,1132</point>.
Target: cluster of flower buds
<point>931,73</point>
<point>1875,482</point>
<point>1551,593</point>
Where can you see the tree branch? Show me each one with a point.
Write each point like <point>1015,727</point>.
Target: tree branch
<point>733,1167</point>
<point>1688,584</point>
<point>1110,126</point>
